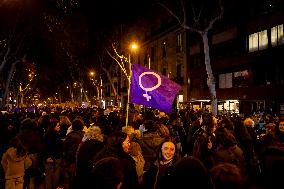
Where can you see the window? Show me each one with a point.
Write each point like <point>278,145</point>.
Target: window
<point>241,78</point>
<point>152,54</point>
<point>258,41</point>
<point>164,72</point>
<point>253,42</point>
<point>179,71</point>
<point>146,59</point>
<point>179,77</point>
<point>262,40</point>
<point>164,50</point>
<point>196,60</point>
<point>179,45</point>
<point>225,81</point>
<point>277,36</point>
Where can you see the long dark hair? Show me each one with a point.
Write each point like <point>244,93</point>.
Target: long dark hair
<point>17,143</point>
<point>115,140</point>
<point>225,138</point>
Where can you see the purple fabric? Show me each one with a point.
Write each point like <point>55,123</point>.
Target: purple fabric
<point>155,90</point>
<point>31,109</point>
<point>16,110</point>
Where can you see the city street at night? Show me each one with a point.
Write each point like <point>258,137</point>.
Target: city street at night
<point>121,94</point>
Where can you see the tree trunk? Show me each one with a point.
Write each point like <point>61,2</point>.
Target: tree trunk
<point>13,67</point>
<point>4,61</point>
<point>210,77</point>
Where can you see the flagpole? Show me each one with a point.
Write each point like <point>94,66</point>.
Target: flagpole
<point>128,92</point>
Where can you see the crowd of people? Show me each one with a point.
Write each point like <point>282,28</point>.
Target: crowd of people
<point>53,148</point>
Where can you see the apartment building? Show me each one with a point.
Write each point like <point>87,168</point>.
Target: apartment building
<point>246,48</point>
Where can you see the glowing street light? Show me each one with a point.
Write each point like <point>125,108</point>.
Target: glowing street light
<point>133,46</point>
<point>92,74</point>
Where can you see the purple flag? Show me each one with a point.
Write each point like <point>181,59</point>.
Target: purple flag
<point>152,89</point>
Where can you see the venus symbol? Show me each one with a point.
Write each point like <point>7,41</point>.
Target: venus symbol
<point>148,97</point>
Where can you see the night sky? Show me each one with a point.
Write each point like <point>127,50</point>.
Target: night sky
<point>62,35</point>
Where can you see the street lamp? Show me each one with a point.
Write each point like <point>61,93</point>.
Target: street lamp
<point>133,48</point>
<point>92,74</point>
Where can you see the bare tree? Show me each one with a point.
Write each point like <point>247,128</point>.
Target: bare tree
<point>24,81</point>
<point>108,74</point>
<point>201,25</point>
<point>125,66</point>
<point>13,51</point>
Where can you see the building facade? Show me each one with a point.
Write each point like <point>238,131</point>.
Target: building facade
<point>245,52</point>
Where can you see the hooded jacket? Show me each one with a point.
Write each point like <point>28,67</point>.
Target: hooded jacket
<point>13,165</point>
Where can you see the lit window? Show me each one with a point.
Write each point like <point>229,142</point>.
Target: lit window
<point>179,46</point>
<point>263,39</point>
<point>258,41</point>
<point>225,81</point>
<point>253,42</point>
<point>277,36</point>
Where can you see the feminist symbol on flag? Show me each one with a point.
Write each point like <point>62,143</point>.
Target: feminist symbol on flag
<point>148,97</point>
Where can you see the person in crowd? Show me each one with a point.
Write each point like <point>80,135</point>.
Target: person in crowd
<point>8,130</point>
<point>151,141</point>
<point>228,124</point>
<point>135,150</point>
<point>177,131</point>
<point>190,172</point>
<point>71,143</point>
<point>43,123</point>
<point>15,161</point>
<point>196,120</point>
<point>158,174</point>
<point>137,119</point>
<point>272,156</point>
<point>227,149</point>
<point>70,128</point>
<point>228,175</point>
<point>117,145</point>
<point>33,142</point>
<point>250,149</point>
<point>92,143</point>
<point>204,139</point>
<point>53,154</point>
<point>64,123</point>
<point>107,173</point>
